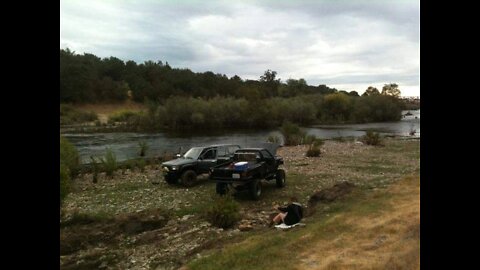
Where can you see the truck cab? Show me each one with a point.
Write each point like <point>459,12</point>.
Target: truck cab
<point>196,161</point>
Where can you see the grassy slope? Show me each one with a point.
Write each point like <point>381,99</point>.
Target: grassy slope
<point>376,229</point>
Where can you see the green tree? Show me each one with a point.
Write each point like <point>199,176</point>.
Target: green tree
<point>336,107</point>
<point>371,91</point>
<point>270,83</point>
<point>391,89</point>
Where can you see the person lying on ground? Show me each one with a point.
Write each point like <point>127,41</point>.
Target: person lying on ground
<point>291,214</point>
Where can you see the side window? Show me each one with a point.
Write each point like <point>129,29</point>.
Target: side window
<point>210,154</point>
<point>232,149</point>
<point>266,154</point>
<point>221,151</point>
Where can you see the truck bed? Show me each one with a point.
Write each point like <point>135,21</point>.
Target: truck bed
<point>225,173</point>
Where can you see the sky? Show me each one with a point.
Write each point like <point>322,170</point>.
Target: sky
<point>346,44</point>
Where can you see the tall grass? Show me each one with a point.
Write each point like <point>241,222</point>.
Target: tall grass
<point>314,145</point>
<point>109,162</point>
<point>69,115</point>
<point>143,148</point>
<point>65,185</point>
<point>96,169</point>
<point>69,156</point>
<point>371,138</point>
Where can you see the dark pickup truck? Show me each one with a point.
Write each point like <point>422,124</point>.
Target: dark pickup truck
<point>248,167</point>
<point>196,161</point>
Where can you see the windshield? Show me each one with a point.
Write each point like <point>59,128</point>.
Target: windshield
<point>193,153</point>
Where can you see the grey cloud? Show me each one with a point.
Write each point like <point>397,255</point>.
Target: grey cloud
<point>327,42</point>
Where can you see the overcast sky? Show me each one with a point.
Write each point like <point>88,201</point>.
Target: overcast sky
<point>346,44</point>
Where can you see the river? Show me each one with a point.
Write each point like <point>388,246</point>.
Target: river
<point>126,144</point>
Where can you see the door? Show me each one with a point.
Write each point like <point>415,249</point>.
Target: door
<point>269,161</point>
<point>207,160</point>
<point>222,156</point>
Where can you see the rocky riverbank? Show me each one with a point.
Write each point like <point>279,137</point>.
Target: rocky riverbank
<point>141,222</point>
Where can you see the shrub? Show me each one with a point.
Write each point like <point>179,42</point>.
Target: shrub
<point>371,138</point>
<point>122,116</point>
<point>141,164</point>
<point>313,152</point>
<point>143,148</point>
<point>223,212</point>
<point>69,156</point>
<point>273,139</point>
<point>292,133</point>
<point>64,182</point>
<point>70,115</point>
<point>95,168</point>
<point>314,146</point>
<point>109,162</point>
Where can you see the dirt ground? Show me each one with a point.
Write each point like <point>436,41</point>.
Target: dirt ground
<point>144,223</point>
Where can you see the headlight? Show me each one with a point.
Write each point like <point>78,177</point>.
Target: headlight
<point>174,168</point>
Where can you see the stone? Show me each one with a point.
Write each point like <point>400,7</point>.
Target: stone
<point>245,227</point>
<point>186,217</point>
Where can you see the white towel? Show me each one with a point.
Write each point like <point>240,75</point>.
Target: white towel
<point>284,226</point>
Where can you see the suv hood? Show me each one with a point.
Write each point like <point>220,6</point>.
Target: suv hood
<point>179,162</point>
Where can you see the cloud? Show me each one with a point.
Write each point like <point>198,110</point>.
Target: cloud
<point>352,44</point>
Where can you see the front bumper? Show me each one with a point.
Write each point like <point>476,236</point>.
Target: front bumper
<point>169,173</point>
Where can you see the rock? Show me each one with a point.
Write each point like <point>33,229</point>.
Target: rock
<point>186,217</point>
<point>245,227</point>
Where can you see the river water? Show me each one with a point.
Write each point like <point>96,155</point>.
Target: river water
<point>126,144</point>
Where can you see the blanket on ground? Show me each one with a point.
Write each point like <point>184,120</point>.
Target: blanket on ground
<point>284,226</point>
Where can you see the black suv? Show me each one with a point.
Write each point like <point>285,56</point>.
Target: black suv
<point>197,160</point>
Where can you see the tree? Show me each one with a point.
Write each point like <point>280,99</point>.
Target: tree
<point>391,90</point>
<point>336,107</point>
<point>270,83</point>
<point>371,91</point>
<point>293,88</point>
<point>353,94</point>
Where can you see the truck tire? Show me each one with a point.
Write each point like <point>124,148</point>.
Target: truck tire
<point>280,178</point>
<point>188,178</point>
<point>221,188</point>
<point>171,180</point>
<point>256,189</point>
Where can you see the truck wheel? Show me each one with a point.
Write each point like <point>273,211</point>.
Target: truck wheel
<point>171,180</point>
<point>188,178</point>
<point>222,188</point>
<point>256,189</point>
<point>280,177</point>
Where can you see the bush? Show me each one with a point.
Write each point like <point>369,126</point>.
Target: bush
<point>95,168</point>
<point>64,182</point>
<point>69,156</point>
<point>109,162</point>
<point>143,148</point>
<point>141,164</point>
<point>371,138</point>
<point>292,133</point>
<point>69,115</point>
<point>314,146</point>
<point>122,116</point>
<point>313,152</point>
<point>273,139</point>
<point>223,212</point>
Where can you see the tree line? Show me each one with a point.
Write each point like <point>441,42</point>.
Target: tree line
<point>88,78</point>
<point>179,98</point>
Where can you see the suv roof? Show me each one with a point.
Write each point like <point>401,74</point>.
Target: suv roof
<point>216,145</point>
